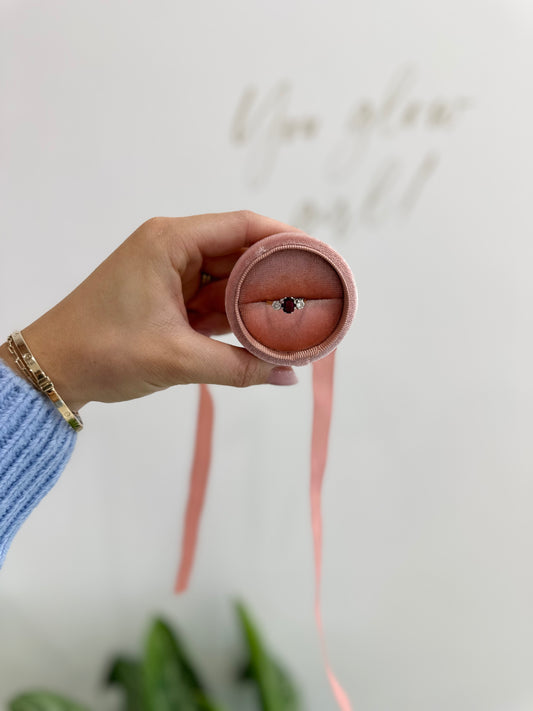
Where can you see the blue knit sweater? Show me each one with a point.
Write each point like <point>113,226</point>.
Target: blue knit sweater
<point>35,445</point>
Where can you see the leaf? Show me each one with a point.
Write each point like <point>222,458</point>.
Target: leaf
<point>169,681</point>
<point>287,690</point>
<point>204,704</point>
<point>184,660</point>
<point>275,687</point>
<point>44,701</point>
<point>245,673</point>
<point>127,673</point>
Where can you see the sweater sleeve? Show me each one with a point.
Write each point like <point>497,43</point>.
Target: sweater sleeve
<point>35,446</point>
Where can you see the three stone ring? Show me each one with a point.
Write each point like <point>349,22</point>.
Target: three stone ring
<point>288,304</point>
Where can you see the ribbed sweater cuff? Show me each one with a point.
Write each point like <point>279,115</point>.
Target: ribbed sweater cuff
<point>35,445</point>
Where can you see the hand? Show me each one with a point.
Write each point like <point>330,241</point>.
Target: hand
<point>138,323</point>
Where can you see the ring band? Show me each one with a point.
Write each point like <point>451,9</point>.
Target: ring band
<point>205,278</point>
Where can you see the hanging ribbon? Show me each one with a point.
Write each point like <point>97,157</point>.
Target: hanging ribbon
<point>323,372</point>
<point>197,487</point>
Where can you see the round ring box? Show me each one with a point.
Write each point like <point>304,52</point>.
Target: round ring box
<point>290,299</point>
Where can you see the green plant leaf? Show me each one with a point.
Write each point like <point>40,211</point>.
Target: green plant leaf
<point>44,701</point>
<point>127,673</point>
<point>286,689</point>
<point>166,677</point>
<point>275,687</point>
<point>245,673</point>
<point>204,704</point>
<point>169,681</point>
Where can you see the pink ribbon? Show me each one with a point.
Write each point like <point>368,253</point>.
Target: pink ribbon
<point>197,487</point>
<point>323,372</point>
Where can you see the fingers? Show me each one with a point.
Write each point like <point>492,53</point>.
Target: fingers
<point>210,324</point>
<point>210,361</point>
<point>220,267</point>
<point>206,310</point>
<point>224,233</point>
<point>209,298</point>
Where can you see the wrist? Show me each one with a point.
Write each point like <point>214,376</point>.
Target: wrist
<point>30,368</point>
<point>56,360</point>
<point>46,354</point>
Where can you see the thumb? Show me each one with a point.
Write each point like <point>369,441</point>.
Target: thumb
<point>210,361</point>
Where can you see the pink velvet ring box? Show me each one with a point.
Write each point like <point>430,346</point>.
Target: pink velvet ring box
<point>290,299</point>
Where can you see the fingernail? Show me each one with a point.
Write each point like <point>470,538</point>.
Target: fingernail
<point>282,375</point>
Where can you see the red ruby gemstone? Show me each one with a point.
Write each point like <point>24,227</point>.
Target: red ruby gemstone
<point>288,305</point>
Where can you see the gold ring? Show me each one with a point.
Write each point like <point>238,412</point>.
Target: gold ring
<point>205,278</point>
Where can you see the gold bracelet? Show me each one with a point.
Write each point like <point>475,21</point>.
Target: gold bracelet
<point>30,368</point>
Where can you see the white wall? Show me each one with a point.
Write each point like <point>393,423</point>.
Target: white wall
<point>400,132</point>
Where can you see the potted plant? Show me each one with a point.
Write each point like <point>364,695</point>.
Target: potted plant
<point>164,678</point>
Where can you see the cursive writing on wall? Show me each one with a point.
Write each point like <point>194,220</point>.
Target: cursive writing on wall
<point>385,150</point>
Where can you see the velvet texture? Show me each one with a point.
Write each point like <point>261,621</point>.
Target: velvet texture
<point>290,265</point>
